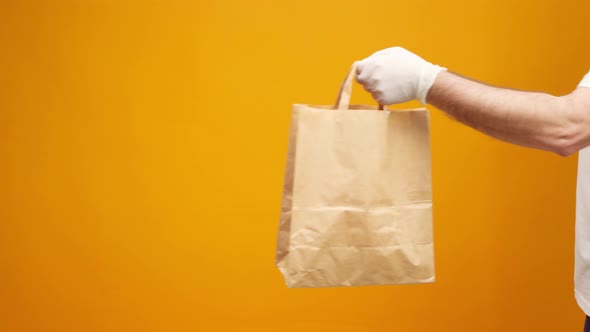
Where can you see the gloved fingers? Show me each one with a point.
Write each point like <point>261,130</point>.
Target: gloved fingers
<point>364,64</point>
<point>365,72</point>
<point>367,77</point>
<point>371,84</point>
<point>362,72</point>
<point>360,65</point>
<point>379,97</point>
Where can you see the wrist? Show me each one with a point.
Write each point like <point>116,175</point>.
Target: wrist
<point>438,85</point>
<point>428,76</point>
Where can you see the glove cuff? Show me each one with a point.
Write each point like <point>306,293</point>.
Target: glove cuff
<point>428,74</point>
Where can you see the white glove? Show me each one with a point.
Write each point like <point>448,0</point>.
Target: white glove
<point>396,75</point>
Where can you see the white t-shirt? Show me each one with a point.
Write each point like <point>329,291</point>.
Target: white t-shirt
<point>582,265</point>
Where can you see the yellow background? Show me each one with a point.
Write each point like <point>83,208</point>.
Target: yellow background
<point>142,150</point>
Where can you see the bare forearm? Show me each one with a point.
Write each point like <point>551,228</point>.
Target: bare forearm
<point>531,119</point>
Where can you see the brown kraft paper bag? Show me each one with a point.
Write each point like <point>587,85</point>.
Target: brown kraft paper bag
<point>357,201</point>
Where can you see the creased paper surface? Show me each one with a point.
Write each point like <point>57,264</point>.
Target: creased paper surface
<point>357,202</point>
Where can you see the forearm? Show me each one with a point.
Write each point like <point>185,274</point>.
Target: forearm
<point>538,120</point>
<point>530,119</point>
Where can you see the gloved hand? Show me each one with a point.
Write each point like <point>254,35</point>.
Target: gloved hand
<point>396,75</point>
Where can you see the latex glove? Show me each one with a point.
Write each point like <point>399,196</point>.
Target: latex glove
<point>396,75</point>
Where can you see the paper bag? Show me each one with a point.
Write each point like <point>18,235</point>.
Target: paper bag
<point>357,202</point>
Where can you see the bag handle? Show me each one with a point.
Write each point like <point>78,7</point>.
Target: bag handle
<point>343,100</point>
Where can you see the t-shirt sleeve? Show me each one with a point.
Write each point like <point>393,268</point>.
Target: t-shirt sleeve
<point>585,82</point>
